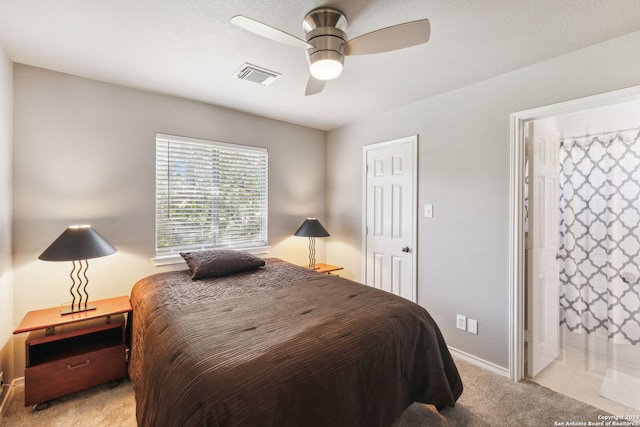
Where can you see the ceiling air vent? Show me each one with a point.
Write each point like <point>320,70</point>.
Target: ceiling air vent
<point>256,74</point>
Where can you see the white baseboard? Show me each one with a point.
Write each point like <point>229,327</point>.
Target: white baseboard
<point>480,362</point>
<point>7,392</point>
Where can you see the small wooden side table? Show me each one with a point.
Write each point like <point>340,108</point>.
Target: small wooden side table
<point>326,268</point>
<point>69,353</point>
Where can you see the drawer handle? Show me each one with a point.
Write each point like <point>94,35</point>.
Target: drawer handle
<point>79,365</point>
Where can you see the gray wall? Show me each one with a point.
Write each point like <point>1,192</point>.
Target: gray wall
<point>6,277</point>
<point>84,152</point>
<point>464,173</point>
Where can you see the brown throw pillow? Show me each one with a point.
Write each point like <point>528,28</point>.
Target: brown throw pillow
<point>220,262</point>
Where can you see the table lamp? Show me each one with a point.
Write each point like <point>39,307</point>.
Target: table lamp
<point>311,228</point>
<point>78,243</point>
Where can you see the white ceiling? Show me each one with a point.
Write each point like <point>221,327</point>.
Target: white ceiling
<point>188,48</point>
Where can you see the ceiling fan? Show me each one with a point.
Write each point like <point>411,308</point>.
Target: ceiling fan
<point>326,41</point>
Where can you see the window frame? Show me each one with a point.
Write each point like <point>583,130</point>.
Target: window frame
<point>173,256</point>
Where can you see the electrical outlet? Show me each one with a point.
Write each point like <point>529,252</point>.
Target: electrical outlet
<point>472,326</point>
<point>461,322</point>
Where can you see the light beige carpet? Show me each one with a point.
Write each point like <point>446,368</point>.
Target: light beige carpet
<point>488,400</point>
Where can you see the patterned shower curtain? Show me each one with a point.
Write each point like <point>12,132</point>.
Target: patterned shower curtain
<point>600,235</point>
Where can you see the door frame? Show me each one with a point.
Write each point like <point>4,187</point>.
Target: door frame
<point>517,271</point>
<point>413,140</point>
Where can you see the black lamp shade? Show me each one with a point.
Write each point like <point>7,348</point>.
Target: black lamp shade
<point>78,242</point>
<point>311,227</point>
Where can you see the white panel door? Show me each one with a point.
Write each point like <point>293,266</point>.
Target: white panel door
<point>390,217</point>
<point>543,280</point>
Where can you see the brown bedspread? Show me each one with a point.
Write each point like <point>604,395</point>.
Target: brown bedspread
<point>281,346</point>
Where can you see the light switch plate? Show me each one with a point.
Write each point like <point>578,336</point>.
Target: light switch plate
<point>428,210</point>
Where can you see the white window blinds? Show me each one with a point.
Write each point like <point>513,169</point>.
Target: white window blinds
<point>209,195</point>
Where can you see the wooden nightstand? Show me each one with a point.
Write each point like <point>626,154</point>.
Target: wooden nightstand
<point>326,268</point>
<point>69,353</point>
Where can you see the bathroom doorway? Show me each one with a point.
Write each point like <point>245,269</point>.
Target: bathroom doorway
<point>562,348</point>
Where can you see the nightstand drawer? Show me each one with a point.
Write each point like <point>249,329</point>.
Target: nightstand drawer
<point>57,378</point>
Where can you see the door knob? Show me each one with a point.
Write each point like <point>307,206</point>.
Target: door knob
<point>406,249</point>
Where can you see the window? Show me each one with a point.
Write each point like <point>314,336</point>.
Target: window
<point>209,195</point>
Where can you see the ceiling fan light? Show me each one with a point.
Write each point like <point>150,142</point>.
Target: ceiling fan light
<point>326,69</point>
<point>326,64</point>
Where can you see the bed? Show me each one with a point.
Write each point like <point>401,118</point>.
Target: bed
<point>280,345</point>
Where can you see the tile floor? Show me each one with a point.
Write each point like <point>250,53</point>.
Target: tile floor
<point>579,375</point>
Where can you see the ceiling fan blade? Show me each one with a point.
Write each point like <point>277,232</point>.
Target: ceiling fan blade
<point>390,38</point>
<point>314,86</point>
<point>268,32</point>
